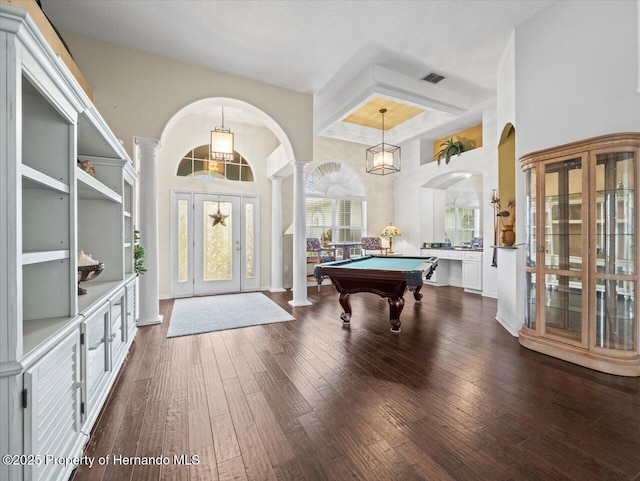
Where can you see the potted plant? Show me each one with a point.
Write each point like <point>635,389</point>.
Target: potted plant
<point>138,254</point>
<point>449,149</point>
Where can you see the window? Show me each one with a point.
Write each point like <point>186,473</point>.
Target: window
<point>196,163</point>
<point>335,220</point>
<point>461,224</point>
<point>335,204</point>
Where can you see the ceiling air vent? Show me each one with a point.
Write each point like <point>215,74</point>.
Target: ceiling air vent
<point>434,78</point>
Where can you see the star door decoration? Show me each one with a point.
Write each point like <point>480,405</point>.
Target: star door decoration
<point>218,217</point>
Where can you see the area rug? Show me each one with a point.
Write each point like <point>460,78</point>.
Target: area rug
<point>196,315</point>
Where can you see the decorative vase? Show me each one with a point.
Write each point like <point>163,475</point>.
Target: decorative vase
<point>507,236</point>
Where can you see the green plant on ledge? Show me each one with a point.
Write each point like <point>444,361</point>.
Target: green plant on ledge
<point>138,254</point>
<point>449,149</point>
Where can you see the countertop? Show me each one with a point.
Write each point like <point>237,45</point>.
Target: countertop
<point>457,249</point>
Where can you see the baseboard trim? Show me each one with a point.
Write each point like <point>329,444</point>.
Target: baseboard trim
<point>505,324</point>
<point>150,321</point>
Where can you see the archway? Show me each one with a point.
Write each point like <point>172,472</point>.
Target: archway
<point>257,136</point>
<point>451,191</point>
<point>234,109</point>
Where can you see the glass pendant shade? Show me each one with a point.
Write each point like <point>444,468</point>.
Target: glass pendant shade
<point>222,142</point>
<point>383,159</point>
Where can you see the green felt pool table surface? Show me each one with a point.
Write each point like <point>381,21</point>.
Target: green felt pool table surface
<point>396,263</point>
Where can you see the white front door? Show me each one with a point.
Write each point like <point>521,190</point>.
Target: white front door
<point>215,244</point>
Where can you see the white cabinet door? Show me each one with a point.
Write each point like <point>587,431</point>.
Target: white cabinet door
<point>95,362</point>
<point>472,275</point>
<point>131,310</point>
<point>52,413</point>
<point>118,331</point>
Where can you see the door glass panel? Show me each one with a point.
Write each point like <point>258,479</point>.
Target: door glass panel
<point>563,215</point>
<point>530,214</point>
<point>217,242</point>
<point>615,307</point>
<point>615,220</point>
<point>183,241</point>
<point>249,242</point>
<point>563,306</point>
<point>530,299</point>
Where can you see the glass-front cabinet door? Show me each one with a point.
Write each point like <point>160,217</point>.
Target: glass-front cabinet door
<point>563,235</point>
<point>531,246</point>
<point>613,309</point>
<point>581,271</point>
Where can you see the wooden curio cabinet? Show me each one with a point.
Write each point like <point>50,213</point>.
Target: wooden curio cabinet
<point>582,253</point>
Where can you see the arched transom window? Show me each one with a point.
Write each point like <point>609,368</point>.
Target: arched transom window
<point>197,163</point>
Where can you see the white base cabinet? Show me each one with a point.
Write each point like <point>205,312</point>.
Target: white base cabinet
<point>60,350</point>
<point>52,407</point>
<point>457,268</point>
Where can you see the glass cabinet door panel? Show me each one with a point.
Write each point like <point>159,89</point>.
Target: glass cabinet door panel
<point>615,314</point>
<point>530,301</point>
<point>615,213</point>
<point>563,215</point>
<point>530,215</point>
<point>563,306</point>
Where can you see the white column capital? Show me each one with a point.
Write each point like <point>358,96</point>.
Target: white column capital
<point>148,147</point>
<point>275,179</point>
<point>300,163</point>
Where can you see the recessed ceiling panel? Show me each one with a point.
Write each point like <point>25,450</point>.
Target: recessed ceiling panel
<point>369,114</point>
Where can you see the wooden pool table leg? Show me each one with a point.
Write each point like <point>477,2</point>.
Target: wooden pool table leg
<point>417,295</point>
<point>395,308</point>
<point>346,305</point>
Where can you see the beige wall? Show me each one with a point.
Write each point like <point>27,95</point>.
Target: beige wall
<point>137,93</point>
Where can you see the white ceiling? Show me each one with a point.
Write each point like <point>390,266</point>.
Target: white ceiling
<point>310,45</point>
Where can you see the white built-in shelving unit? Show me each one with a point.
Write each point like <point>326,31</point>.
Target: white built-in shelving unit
<point>60,351</point>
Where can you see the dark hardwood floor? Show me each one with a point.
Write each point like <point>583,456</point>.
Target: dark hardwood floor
<point>452,397</point>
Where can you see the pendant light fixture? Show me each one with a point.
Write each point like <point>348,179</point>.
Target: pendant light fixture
<point>222,142</point>
<point>383,159</point>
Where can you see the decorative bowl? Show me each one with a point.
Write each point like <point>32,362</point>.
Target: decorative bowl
<point>87,273</point>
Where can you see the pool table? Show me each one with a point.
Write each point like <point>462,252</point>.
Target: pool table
<point>387,276</point>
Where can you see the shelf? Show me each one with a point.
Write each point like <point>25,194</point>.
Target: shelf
<point>35,257</point>
<point>34,179</point>
<point>625,192</point>
<point>36,331</point>
<point>127,214</point>
<point>96,291</point>
<point>91,188</point>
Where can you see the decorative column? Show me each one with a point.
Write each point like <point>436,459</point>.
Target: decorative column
<point>299,237</point>
<point>147,153</point>
<point>276,234</point>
